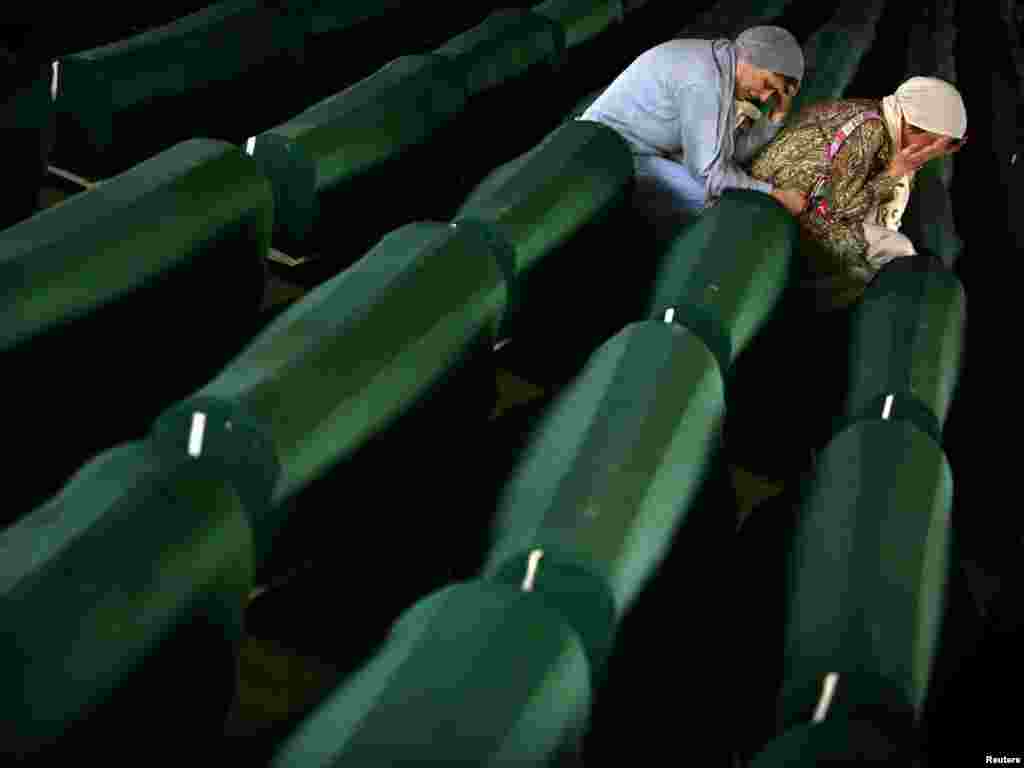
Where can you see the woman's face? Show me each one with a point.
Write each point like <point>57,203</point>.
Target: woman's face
<point>914,136</point>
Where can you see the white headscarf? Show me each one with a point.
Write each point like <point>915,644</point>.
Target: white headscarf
<point>924,102</point>
<point>934,105</point>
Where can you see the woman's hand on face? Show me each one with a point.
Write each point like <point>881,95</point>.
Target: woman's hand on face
<point>910,159</point>
<point>793,200</point>
<point>784,102</point>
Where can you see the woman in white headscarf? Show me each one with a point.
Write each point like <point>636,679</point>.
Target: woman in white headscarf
<point>855,159</point>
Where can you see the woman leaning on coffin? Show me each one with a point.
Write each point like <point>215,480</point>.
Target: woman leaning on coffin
<point>856,159</point>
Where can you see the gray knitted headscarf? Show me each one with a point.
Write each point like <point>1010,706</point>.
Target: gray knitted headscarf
<point>774,49</point>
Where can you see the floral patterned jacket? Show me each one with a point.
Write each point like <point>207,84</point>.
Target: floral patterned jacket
<point>795,158</point>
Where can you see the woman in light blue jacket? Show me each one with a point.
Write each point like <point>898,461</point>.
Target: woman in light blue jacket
<point>679,105</point>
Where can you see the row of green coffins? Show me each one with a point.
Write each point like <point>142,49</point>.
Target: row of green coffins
<point>166,198</point>
<point>240,67</point>
<point>502,670</point>
<point>422,166</point>
<point>870,561</point>
<point>162,279</point>
<point>589,514</point>
<point>698,282</point>
<point>309,391</point>
<point>598,501</point>
<point>247,429</point>
<point>158,189</point>
<point>232,423</point>
<point>199,503</point>
<point>419,133</point>
<point>608,481</point>
<point>582,525</point>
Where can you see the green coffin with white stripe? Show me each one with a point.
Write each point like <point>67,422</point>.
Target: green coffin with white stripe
<point>126,297</point>
<point>616,463</point>
<point>117,598</point>
<point>336,142</point>
<point>906,348</point>
<point>868,572</point>
<point>217,44</point>
<point>130,233</point>
<point>580,593</point>
<point>723,276</point>
<point>348,359</point>
<point>475,674</point>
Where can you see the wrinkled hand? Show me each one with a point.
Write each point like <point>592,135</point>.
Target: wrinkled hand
<point>793,200</point>
<point>784,104</point>
<point>909,159</point>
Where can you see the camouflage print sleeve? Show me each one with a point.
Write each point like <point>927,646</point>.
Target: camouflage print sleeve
<point>859,181</point>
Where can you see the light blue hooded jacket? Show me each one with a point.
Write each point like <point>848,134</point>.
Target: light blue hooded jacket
<point>677,100</point>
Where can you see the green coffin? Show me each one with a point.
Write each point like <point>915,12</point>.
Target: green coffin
<point>833,741</point>
<point>868,572</point>
<point>117,598</point>
<point>331,15</point>
<point>581,594</point>
<point>130,232</point>
<point>583,104</point>
<point>505,46</point>
<point>582,20</point>
<point>614,466</point>
<point>723,276</point>
<point>907,343</point>
<point>542,198</point>
<point>475,674</point>
<point>217,44</point>
<point>833,53</point>
<point>335,142</point>
<point>125,298</point>
<point>350,357</point>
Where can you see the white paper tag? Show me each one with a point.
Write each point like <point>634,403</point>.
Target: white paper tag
<point>284,258</point>
<point>887,408</point>
<point>195,437</point>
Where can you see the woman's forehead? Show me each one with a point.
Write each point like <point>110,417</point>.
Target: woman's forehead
<point>929,135</point>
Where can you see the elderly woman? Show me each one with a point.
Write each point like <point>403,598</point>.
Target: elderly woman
<point>855,159</point>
